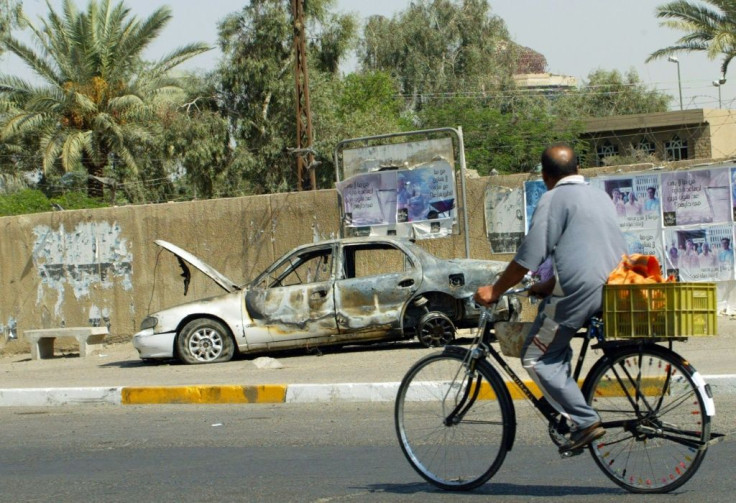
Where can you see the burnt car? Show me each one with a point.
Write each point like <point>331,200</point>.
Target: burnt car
<point>336,292</point>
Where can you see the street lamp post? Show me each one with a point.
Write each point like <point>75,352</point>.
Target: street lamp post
<point>673,59</point>
<point>718,84</point>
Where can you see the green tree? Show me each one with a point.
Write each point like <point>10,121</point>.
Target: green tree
<point>440,47</point>
<point>358,105</point>
<point>10,17</point>
<point>505,135</point>
<point>709,26</point>
<point>609,93</point>
<point>197,142</point>
<point>99,102</point>
<point>257,81</point>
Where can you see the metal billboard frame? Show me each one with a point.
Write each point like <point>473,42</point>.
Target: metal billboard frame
<point>455,134</point>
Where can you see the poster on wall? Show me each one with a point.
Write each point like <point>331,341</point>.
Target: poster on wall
<point>645,242</point>
<point>702,253</point>
<point>696,197</point>
<point>533,190</point>
<point>504,219</point>
<point>402,189</point>
<point>412,203</point>
<point>425,193</point>
<point>636,199</point>
<point>369,199</point>
<point>733,192</point>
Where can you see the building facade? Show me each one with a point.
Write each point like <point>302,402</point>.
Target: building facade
<point>666,136</point>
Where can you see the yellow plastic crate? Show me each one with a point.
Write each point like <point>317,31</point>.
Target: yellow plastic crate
<point>659,310</point>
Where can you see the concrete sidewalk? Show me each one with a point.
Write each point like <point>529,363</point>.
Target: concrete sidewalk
<point>363,373</point>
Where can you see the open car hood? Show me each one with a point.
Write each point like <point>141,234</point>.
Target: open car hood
<point>184,258</point>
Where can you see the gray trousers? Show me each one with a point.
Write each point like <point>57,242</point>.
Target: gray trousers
<point>547,356</point>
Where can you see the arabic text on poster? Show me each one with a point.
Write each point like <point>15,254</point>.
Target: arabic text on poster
<point>369,199</point>
<point>696,197</point>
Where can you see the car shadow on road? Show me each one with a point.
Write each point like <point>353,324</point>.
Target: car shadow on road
<point>498,489</point>
<point>131,364</point>
<point>349,348</point>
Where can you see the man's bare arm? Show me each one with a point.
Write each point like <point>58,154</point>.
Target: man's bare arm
<point>489,294</point>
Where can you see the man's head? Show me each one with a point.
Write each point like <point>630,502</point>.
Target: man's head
<point>558,161</point>
<point>651,191</point>
<point>725,243</point>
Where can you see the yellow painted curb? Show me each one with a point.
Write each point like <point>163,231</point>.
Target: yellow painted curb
<point>517,394</point>
<point>205,394</point>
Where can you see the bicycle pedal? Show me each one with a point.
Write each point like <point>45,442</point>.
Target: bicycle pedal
<point>572,453</point>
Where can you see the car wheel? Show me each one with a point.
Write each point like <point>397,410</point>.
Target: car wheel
<point>205,341</point>
<point>435,329</point>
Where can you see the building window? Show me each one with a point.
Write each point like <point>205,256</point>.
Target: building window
<point>604,150</point>
<point>675,149</point>
<point>645,146</point>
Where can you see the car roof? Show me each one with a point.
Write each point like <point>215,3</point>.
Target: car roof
<point>359,240</point>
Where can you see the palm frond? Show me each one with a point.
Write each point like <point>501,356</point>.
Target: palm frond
<point>15,86</point>
<point>122,103</point>
<point>128,159</point>
<point>74,144</point>
<point>178,56</point>
<point>20,123</point>
<point>106,126</point>
<point>84,103</point>
<point>137,36</point>
<point>38,65</point>
<point>57,38</point>
<point>51,146</point>
<point>726,62</point>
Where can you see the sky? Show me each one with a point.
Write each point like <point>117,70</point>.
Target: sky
<point>575,36</point>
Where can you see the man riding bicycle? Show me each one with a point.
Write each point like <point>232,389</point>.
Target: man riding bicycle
<point>576,226</point>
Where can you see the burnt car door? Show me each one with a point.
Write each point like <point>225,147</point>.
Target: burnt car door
<point>374,282</point>
<point>294,297</point>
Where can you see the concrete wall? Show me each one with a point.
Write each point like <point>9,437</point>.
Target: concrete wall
<point>722,124</point>
<point>101,267</point>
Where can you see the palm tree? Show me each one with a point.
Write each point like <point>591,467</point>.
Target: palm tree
<point>98,99</point>
<point>710,28</point>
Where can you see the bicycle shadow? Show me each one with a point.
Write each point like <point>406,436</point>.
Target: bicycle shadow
<point>498,489</point>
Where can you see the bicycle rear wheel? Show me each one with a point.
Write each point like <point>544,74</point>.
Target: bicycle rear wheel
<point>453,427</point>
<point>655,418</point>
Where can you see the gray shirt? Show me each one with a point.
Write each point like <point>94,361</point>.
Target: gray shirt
<point>576,225</point>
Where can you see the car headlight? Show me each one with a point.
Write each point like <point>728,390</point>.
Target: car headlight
<point>149,322</point>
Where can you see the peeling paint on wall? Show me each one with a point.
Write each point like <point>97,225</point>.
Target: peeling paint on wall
<point>10,331</point>
<point>99,317</point>
<point>317,234</point>
<point>92,254</point>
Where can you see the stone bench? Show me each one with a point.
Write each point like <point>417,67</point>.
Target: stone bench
<point>42,340</point>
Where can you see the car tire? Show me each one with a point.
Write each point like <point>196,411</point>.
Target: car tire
<point>205,341</point>
<point>435,329</point>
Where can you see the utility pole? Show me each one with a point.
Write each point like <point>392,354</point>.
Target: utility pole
<point>306,178</point>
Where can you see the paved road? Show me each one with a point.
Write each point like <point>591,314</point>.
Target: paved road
<point>340,452</point>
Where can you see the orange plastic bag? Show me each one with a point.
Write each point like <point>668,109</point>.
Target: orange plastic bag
<point>638,268</point>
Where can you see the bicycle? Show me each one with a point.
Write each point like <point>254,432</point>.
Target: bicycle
<point>456,420</point>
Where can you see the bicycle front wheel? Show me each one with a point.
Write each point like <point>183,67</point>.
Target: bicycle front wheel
<point>655,418</point>
<point>453,424</point>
